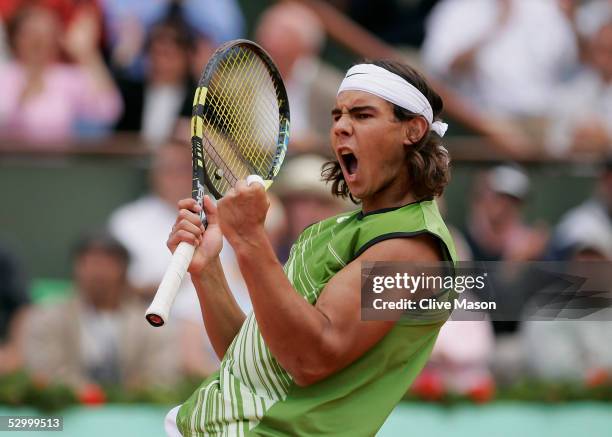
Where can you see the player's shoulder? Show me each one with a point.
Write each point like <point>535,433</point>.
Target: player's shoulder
<point>415,227</point>
<point>422,247</point>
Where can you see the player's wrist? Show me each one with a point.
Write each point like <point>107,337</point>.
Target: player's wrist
<point>250,244</point>
<point>206,270</point>
<point>256,253</point>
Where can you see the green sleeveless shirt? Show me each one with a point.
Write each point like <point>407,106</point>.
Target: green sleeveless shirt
<point>252,395</point>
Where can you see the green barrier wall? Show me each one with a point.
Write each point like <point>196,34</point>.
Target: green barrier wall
<point>47,202</point>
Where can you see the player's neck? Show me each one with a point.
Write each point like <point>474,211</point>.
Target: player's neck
<point>386,200</point>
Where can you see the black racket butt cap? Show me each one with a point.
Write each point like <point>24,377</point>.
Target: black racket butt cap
<point>155,320</point>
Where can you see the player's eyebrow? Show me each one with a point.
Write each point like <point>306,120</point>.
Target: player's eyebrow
<point>354,109</point>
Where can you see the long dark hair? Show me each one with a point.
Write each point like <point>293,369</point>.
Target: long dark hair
<point>427,160</point>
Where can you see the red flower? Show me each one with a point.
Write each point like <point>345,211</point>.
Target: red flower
<point>91,394</point>
<point>429,386</point>
<point>482,392</point>
<point>40,382</point>
<point>597,377</point>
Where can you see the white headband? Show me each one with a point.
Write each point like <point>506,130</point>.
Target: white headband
<point>391,87</point>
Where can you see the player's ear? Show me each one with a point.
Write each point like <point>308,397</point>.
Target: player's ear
<point>414,130</point>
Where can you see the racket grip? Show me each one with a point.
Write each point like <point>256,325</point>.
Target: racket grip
<point>157,313</point>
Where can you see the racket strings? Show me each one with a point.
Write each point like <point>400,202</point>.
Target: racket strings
<point>246,128</point>
<point>246,131</point>
<point>217,162</point>
<point>221,153</point>
<point>242,118</point>
<point>226,155</point>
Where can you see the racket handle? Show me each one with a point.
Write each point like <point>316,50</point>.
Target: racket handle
<point>157,313</point>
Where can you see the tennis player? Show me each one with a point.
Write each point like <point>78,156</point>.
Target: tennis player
<point>304,363</point>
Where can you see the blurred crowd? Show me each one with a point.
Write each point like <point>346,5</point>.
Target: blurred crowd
<point>533,78</point>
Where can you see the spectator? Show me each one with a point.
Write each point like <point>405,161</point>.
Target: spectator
<point>98,336</point>
<point>44,100</point>
<point>496,232</point>
<point>567,350</point>
<point>582,115</point>
<point>152,107</point>
<point>127,23</point>
<point>395,21</point>
<point>460,360</point>
<point>170,180</point>
<point>66,10</point>
<point>503,60</point>
<point>293,35</point>
<point>590,16</point>
<point>589,222</point>
<point>14,302</point>
<point>495,229</point>
<point>572,350</point>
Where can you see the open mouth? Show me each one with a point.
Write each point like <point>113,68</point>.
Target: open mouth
<point>350,162</point>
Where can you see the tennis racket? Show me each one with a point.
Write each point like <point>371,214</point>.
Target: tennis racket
<point>240,130</point>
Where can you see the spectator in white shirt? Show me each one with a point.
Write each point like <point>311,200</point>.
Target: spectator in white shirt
<point>507,56</point>
<point>170,180</point>
<point>582,113</point>
<point>153,106</point>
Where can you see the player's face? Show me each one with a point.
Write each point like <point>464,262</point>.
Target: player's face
<point>369,142</point>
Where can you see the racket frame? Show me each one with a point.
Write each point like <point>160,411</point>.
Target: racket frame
<point>201,177</point>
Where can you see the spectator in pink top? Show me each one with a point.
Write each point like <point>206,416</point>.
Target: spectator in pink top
<point>45,100</point>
